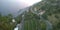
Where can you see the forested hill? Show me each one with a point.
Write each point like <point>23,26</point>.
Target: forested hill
<point>52,8</point>
<point>52,14</point>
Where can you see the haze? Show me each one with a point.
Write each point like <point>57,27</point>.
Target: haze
<point>12,6</point>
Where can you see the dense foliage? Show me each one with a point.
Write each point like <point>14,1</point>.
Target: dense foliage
<point>6,22</point>
<point>52,14</point>
<point>52,8</point>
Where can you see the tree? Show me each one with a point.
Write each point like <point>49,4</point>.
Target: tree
<point>52,8</point>
<point>52,14</point>
<point>6,23</point>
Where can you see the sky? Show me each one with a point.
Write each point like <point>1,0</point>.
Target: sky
<point>30,2</point>
<point>12,6</point>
